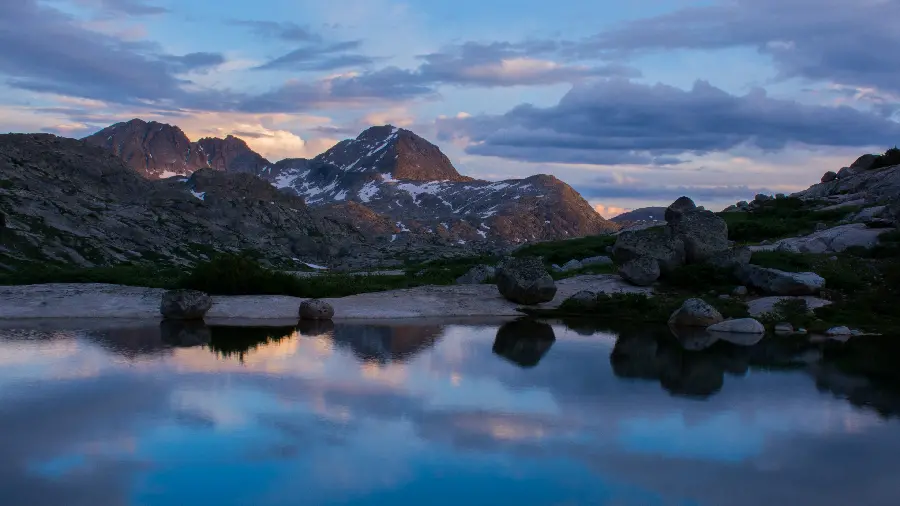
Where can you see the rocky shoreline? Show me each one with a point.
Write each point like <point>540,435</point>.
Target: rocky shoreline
<point>116,301</point>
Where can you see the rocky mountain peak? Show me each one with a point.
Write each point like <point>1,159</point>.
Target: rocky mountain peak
<point>231,154</point>
<point>393,152</point>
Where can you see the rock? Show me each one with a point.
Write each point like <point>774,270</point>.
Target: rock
<point>600,260</point>
<point>845,172</point>
<point>787,247</point>
<point>835,239</point>
<point>656,243</point>
<point>642,271</point>
<point>477,275</point>
<point>784,328</point>
<point>821,226</point>
<point>525,281</point>
<point>780,196</point>
<point>316,309</point>
<point>829,177</point>
<point>765,242</point>
<point>185,305</point>
<point>779,282</point>
<point>761,197</point>
<point>556,268</point>
<point>693,338</point>
<point>584,299</point>
<point>743,204</point>
<point>730,258</point>
<point>703,233</point>
<point>678,208</point>
<point>761,306</point>
<point>838,332</point>
<point>740,291</point>
<point>695,313</point>
<point>864,162</point>
<point>801,331</point>
<point>571,265</point>
<point>739,326</point>
<point>184,333</point>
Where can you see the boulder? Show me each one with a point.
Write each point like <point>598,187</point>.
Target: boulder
<point>738,326</point>
<point>656,243</point>
<point>740,291</point>
<point>525,281</point>
<point>524,342</point>
<point>678,208</point>
<point>641,271</point>
<point>829,176</point>
<point>779,282</point>
<point>864,162</point>
<point>695,313</point>
<point>703,233</point>
<point>787,247</point>
<point>838,332</point>
<point>693,338</point>
<point>784,328</point>
<point>763,305</point>
<point>185,305</point>
<point>584,299</point>
<point>571,265</point>
<point>316,309</point>
<point>731,258</point>
<point>476,275</point>
<point>833,240</point>
<point>599,260</point>
<point>845,172</point>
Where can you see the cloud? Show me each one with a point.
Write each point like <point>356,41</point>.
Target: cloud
<point>126,7</point>
<point>610,211</point>
<point>617,121</point>
<point>850,42</point>
<point>319,57</point>
<point>195,62</point>
<point>282,30</point>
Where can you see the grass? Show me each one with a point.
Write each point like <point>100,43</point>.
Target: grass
<point>146,275</point>
<point>631,307</point>
<point>446,271</point>
<point>779,218</point>
<point>560,252</point>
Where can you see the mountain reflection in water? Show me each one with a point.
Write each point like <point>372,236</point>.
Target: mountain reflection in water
<point>441,412</point>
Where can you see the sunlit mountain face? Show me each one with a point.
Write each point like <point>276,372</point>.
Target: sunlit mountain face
<point>432,412</point>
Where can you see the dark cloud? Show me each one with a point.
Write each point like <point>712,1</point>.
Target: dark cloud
<point>845,41</point>
<point>618,122</point>
<point>319,57</point>
<point>195,61</point>
<point>281,30</point>
<point>120,7</point>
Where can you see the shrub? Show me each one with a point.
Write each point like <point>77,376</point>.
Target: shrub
<point>700,278</point>
<point>560,252</point>
<point>890,158</point>
<point>779,218</point>
<point>146,275</point>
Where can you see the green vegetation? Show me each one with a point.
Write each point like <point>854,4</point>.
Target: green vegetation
<point>778,218</point>
<point>890,158</point>
<point>560,252</point>
<point>125,274</point>
<point>446,271</point>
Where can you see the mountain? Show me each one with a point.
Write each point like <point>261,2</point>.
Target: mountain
<point>387,179</point>
<point>396,173</point>
<point>644,214</point>
<point>157,150</point>
<point>68,202</point>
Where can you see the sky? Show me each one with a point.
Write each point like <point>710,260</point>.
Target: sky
<point>632,103</point>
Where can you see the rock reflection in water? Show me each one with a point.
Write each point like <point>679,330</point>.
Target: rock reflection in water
<point>184,334</point>
<point>524,341</point>
<point>693,365</point>
<point>384,344</point>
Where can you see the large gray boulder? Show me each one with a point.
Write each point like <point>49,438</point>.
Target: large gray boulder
<point>864,162</point>
<point>477,275</point>
<point>184,305</point>
<point>525,281</point>
<point>641,271</point>
<point>778,282</point>
<point>731,258</point>
<point>829,176</point>
<point>703,233</point>
<point>695,313</point>
<point>833,240</point>
<point>738,326</point>
<point>845,172</point>
<point>656,243</point>
<point>679,208</point>
<point>583,300</point>
<point>316,309</point>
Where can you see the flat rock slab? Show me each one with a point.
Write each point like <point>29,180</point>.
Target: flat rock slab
<point>115,301</point>
<point>832,240</point>
<point>764,305</point>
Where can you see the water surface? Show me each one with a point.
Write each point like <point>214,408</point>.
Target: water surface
<point>436,413</point>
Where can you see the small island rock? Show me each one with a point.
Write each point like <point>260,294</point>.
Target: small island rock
<point>185,305</point>
<point>316,309</point>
